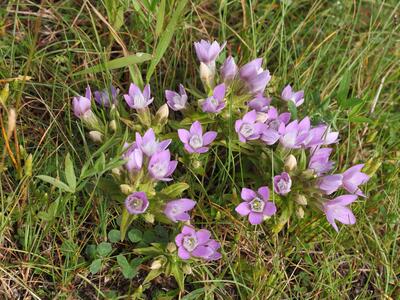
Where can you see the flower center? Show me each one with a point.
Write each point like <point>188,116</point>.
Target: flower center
<point>196,141</point>
<point>282,185</point>
<point>136,204</point>
<point>257,205</point>
<point>139,101</point>
<point>190,243</point>
<point>150,148</point>
<point>274,124</point>
<point>214,101</point>
<point>159,169</point>
<point>246,130</point>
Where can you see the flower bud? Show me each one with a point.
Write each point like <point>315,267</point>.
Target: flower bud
<point>126,189</point>
<point>4,94</point>
<point>113,125</point>
<point>162,113</point>
<point>171,247</point>
<point>300,212</point>
<point>28,166</point>
<point>12,121</point>
<point>290,163</point>
<point>149,218</point>
<point>116,171</point>
<point>157,264</point>
<point>207,74</point>
<point>301,200</point>
<point>96,136</point>
<point>187,269</point>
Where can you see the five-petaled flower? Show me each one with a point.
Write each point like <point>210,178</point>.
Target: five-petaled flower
<point>149,144</point>
<point>177,210</point>
<point>176,101</point>
<point>161,167</point>
<point>194,140</point>
<point>136,98</point>
<point>192,243</point>
<point>256,205</point>
<point>247,128</point>
<point>137,203</point>
<point>289,95</point>
<point>216,102</point>
<point>336,209</point>
<point>282,183</point>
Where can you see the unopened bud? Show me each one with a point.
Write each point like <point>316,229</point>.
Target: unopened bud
<point>300,212</point>
<point>171,247</point>
<point>4,94</point>
<point>126,189</point>
<point>96,136</point>
<point>187,269</point>
<point>116,171</point>
<point>301,200</point>
<point>157,264</point>
<point>207,73</point>
<point>162,114</point>
<point>12,121</point>
<point>28,166</point>
<point>113,125</point>
<point>149,218</point>
<point>290,163</point>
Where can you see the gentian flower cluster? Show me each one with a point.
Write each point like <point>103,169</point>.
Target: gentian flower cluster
<point>235,104</point>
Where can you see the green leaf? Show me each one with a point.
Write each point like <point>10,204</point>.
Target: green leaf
<point>135,235</point>
<point>292,109</point>
<point>151,275</point>
<point>70,173</point>
<point>175,190</point>
<point>350,103</point>
<point>344,87</point>
<point>126,220</point>
<point>360,119</point>
<point>160,18</point>
<point>114,236</point>
<point>55,182</point>
<point>126,268</point>
<point>117,63</point>
<point>166,38</point>
<point>104,248</point>
<point>177,272</point>
<point>95,266</point>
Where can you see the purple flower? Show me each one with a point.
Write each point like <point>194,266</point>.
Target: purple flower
<point>229,70</point>
<point>136,203</point>
<point>352,178</point>
<point>215,103</point>
<point>161,167</point>
<point>136,98</point>
<point>256,205</point>
<point>330,183</point>
<point>319,161</point>
<point>177,210</point>
<point>349,180</point>
<point>194,140</point>
<point>134,158</point>
<point>149,144</point>
<point>320,135</point>
<point>273,120</point>
<point>294,134</point>
<point>192,243</point>
<point>282,183</point>
<point>289,95</point>
<point>82,105</point>
<point>103,97</point>
<point>247,128</point>
<point>337,209</point>
<point>255,76</point>
<point>260,103</point>
<point>208,52</point>
<point>176,101</point>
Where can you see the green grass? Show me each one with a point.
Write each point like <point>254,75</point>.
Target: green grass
<point>317,45</point>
